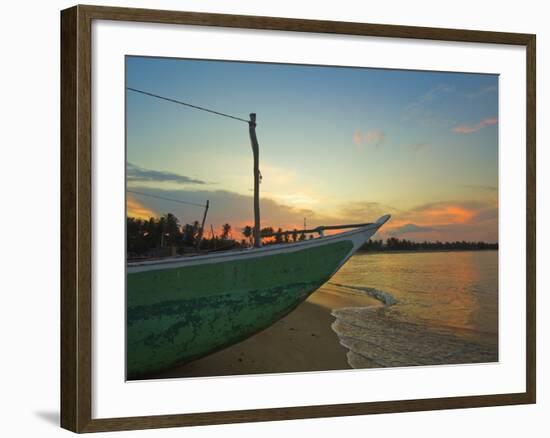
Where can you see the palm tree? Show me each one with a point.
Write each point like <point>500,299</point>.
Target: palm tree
<point>266,232</point>
<point>171,229</point>
<point>279,236</point>
<point>247,232</point>
<point>226,231</point>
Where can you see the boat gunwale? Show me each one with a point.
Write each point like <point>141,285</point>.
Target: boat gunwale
<point>264,250</point>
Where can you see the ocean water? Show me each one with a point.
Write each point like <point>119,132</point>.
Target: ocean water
<point>433,308</point>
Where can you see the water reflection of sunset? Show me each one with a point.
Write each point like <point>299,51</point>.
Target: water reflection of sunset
<point>457,291</point>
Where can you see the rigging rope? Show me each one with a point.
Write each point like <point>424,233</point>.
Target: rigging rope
<point>187,104</point>
<point>166,199</point>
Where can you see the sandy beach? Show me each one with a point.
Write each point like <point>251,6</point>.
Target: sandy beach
<point>302,341</point>
<point>380,310</point>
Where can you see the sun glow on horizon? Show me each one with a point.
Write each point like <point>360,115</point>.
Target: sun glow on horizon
<point>137,210</point>
<point>337,146</point>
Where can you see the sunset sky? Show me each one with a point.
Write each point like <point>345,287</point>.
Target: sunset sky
<point>337,145</point>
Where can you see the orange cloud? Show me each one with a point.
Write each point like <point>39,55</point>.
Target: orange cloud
<point>445,221</point>
<point>450,214</point>
<point>135,209</point>
<point>468,129</point>
<point>442,213</point>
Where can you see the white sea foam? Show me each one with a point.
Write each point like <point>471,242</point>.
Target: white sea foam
<point>380,337</point>
<point>442,309</point>
<point>378,294</point>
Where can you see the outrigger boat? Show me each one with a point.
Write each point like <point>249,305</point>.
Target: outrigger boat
<point>182,308</point>
<point>179,309</point>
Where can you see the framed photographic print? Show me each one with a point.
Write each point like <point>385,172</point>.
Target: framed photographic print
<point>325,218</point>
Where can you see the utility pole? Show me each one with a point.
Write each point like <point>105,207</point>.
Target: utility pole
<point>201,232</point>
<point>256,152</point>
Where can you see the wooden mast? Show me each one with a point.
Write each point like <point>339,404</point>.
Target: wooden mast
<point>255,150</point>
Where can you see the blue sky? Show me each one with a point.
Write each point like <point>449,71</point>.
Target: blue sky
<point>337,144</point>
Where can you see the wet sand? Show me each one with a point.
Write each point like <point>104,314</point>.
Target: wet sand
<point>302,341</point>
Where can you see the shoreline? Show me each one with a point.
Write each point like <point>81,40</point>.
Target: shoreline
<point>346,324</point>
<point>301,341</point>
<point>407,251</point>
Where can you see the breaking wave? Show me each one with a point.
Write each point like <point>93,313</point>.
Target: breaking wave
<point>378,294</point>
<point>381,336</point>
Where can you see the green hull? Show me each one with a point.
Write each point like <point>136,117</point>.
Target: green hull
<point>179,314</point>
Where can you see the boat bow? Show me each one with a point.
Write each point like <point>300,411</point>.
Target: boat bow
<point>182,308</point>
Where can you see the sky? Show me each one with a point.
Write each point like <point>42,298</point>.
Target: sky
<point>337,145</point>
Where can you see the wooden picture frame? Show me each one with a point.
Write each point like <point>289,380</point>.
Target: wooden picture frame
<point>76,218</point>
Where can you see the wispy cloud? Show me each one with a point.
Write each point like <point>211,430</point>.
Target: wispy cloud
<point>432,94</point>
<point>481,92</point>
<point>140,174</point>
<point>421,109</point>
<point>372,137</point>
<point>364,210</point>
<point>480,187</point>
<point>412,228</point>
<point>417,147</point>
<point>468,129</point>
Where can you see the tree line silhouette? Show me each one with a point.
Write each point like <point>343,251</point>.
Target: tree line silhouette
<point>395,244</point>
<point>165,235</point>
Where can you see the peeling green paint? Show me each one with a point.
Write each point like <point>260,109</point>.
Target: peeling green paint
<point>180,314</point>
